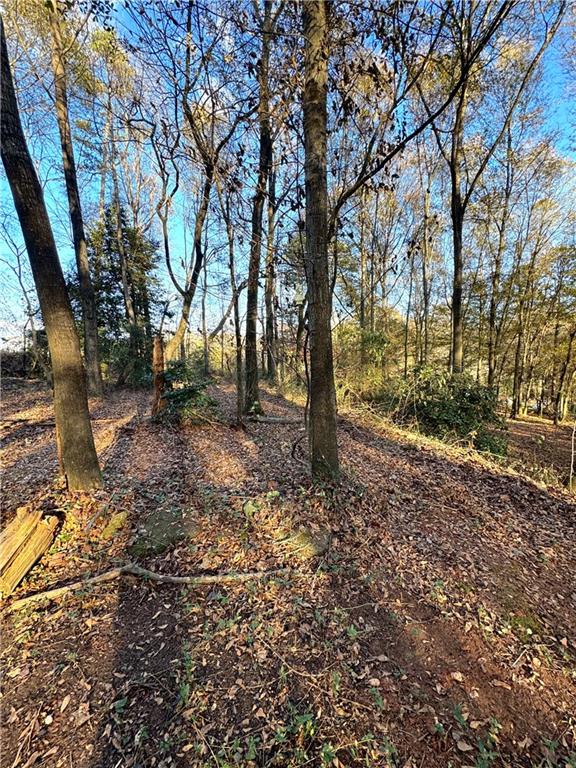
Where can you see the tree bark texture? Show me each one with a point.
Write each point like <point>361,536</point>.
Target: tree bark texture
<point>74,432</point>
<point>322,420</point>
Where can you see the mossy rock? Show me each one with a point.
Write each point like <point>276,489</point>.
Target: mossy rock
<point>115,524</point>
<point>303,543</point>
<point>162,529</point>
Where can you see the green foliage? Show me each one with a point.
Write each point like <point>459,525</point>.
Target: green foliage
<point>186,397</point>
<point>452,407</point>
<point>119,353</point>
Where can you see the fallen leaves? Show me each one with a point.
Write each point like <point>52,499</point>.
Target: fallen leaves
<point>401,643</point>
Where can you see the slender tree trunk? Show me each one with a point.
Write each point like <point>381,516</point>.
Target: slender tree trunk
<point>205,341</point>
<point>362,297</point>
<point>425,277</point>
<point>175,342</point>
<point>252,398</point>
<point>73,429</point>
<point>158,373</point>
<point>561,399</point>
<point>457,356</point>
<point>457,217</point>
<point>270,287</point>
<point>87,295</point>
<point>322,419</point>
<point>126,277</point>
<point>407,318</point>
<point>493,334</point>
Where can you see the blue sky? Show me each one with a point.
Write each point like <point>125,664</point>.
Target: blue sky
<point>560,116</point>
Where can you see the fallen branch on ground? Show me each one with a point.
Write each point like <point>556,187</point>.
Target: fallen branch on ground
<point>48,423</point>
<point>275,420</point>
<point>130,569</point>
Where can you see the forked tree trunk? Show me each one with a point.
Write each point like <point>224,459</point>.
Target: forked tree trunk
<point>73,429</point>
<point>87,295</point>
<point>322,420</point>
<point>175,343</point>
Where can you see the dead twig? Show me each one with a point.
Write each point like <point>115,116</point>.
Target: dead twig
<point>130,569</point>
<point>293,451</point>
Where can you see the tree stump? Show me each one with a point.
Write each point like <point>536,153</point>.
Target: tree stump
<point>22,543</point>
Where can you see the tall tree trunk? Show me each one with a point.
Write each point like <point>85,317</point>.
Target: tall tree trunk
<point>457,218</point>
<point>322,419</point>
<point>425,276</point>
<point>236,304</point>
<point>252,398</point>
<point>407,319</point>
<point>73,429</point>
<point>205,340</point>
<point>87,295</point>
<point>270,286</point>
<point>493,332</point>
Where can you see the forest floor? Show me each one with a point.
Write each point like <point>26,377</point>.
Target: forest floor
<point>542,448</point>
<point>438,629</point>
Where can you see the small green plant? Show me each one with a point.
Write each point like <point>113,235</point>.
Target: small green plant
<point>377,698</point>
<point>327,754</point>
<point>459,716</point>
<point>120,705</point>
<point>336,681</point>
<point>488,746</point>
<point>352,632</point>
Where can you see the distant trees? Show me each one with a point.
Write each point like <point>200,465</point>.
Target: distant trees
<point>74,433</point>
<point>379,177</point>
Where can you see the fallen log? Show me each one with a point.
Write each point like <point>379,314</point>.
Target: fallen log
<point>131,569</point>
<point>22,543</point>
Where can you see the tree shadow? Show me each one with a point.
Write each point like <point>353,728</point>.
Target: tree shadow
<point>362,647</point>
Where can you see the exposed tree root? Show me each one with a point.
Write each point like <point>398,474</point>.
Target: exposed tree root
<point>130,569</point>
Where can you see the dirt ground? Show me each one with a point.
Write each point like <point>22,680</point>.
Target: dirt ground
<point>438,629</point>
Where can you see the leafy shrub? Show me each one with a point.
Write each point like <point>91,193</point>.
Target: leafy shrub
<point>186,395</point>
<point>452,407</point>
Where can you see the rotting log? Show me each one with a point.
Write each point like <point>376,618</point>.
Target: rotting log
<point>22,544</point>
